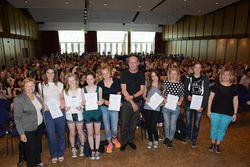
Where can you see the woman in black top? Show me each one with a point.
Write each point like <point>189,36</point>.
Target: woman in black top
<point>110,118</point>
<point>222,108</point>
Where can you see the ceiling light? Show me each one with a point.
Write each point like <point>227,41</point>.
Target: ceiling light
<point>66,2</point>
<point>168,16</point>
<point>139,6</point>
<point>105,4</point>
<point>199,11</point>
<point>217,3</point>
<point>185,0</point>
<point>26,1</point>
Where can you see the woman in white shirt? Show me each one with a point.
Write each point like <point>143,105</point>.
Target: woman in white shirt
<point>51,92</point>
<point>74,113</point>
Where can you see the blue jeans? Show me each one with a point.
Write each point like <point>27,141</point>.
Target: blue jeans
<point>55,130</point>
<point>219,124</point>
<point>170,119</point>
<point>189,123</point>
<point>110,118</point>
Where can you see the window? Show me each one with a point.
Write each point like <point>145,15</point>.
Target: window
<point>142,42</point>
<point>72,41</point>
<point>112,42</point>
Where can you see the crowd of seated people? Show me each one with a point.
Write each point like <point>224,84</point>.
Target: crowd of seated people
<point>173,74</point>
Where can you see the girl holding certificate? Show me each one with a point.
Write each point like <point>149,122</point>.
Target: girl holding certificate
<point>173,91</point>
<point>222,112</point>
<point>73,107</point>
<point>51,91</point>
<point>93,114</point>
<point>154,85</point>
<point>110,117</point>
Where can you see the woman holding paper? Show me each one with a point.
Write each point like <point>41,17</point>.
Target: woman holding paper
<point>93,114</point>
<point>154,88</point>
<point>173,91</point>
<point>110,86</point>
<point>51,91</point>
<point>222,112</point>
<point>73,107</point>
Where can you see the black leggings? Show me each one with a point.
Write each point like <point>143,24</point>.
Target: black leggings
<point>151,118</point>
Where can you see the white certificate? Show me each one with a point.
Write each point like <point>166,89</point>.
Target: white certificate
<point>196,102</point>
<point>172,102</point>
<point>91,101</point>
<point>114,102</point>
<point>73,104</point>
<point>155,101</point>
<point>55,110</point>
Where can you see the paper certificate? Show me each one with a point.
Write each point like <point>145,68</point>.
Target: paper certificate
<point>155,101</point>
<point>172,102</point>
<point>196,102</point>
<point>91,101</point>
<point>73,104</point>
<point>114,102</point>
<point>55,110</point>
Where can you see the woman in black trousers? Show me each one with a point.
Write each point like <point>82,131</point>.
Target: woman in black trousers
<point>29,122</point>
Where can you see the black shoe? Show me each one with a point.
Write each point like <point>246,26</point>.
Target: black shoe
<point>211,148</point>
<point>165,141</point>
<point>123,147</point>
<point>185,140</point>
<point>194,144</point>
<point>20,162</point>
<point>217,149</point>
<point>132,145</point>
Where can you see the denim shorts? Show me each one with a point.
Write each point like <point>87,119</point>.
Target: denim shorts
<point>74,118</point>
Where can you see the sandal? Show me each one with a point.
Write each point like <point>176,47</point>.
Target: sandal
<point>60,159</point>
<point>54,160</point>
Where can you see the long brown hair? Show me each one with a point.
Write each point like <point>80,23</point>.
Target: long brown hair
<point>150,81</point>
<point>45,79</point>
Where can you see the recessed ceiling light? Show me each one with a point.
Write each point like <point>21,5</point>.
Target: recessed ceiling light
<point>139,6</point>
<point>66,2</point>
<point>168,16</point>
<point>199,11</point>
<point>185,0</point>
<point>26,1</point>
<point>217,3</point>
<point>105,4</point>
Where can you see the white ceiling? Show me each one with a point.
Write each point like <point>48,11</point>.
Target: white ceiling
<point>118,11</point>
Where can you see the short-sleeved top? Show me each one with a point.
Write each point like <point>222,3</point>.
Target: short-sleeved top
<point>133,82</point>
<point>150,93</point>
<point>113,89</point>
<point>51,92</point>
<point>223,99</point>
<point>173,88</point>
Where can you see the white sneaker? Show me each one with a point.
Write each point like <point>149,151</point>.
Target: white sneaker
<point>155,144</point>
<point>150,145</point>
<point>81,151</point>
<point>97,155</point>
<point>92,155</point>
<point>74,152</point>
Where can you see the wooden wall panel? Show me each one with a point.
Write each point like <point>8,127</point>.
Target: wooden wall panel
<point>175,31</point>
<point>174,47</point>
<point>241,18</point>
<point>229,14</point>
<point>2,55</point>
<point>231,50</point>
<point>169,50</point>
<point>192,30</point>
<point>180,30</point>
<point>22,24</point>
<point>17,22</point>
<point>19,57</point>
<point>196,48</point>
<point>178,47</point>
<point>11,20</point>
<point>208,28</point>
<point>200,26</point>
<point>203,49</point>
<point>1,21</point>
<point>211,52</point>
<point>26,27</point>
<point>243,50</point>
<point>189,48</point>
<point>220,51</point>
<point>183,47</point>
<point>186,27</point>
<point>248,24</point>
<point>165,33</point>
<point>218,22</point>
<point>170,32</point>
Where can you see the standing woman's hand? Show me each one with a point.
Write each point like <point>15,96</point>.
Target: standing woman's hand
<point>234,118</point>
<point>23,138</point>
<point>208,113</point>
